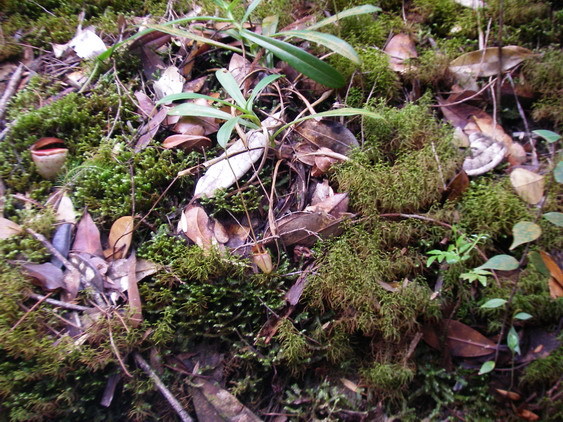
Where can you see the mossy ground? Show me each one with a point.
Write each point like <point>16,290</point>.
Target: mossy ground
<point>370,291</point>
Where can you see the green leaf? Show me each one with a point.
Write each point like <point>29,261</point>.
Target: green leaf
<point>299,59</point>
<point>192,95</point>
<point>225,131</point>
<point>513,341</point>
<point>487,367</point>
<point>554,217</point>
<point>430,261</point>
<point>270,25</point>
<point>558,172</point>
<point>537,261</point>
<point>330,113</point>
<point>501,263</point>
<point>354,11</point>
<point>524,232</point>
<point>259,88</point>
<point>523,316</point>
<point>250,9</point>
<point>186,34</point>
<point>548,135</point>
<point>191,109</point>
<point>493,303</point>
<point>227,80</point>
<point>329,41</point>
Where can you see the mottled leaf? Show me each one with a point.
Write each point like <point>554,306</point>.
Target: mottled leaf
<point>500,263</point>
<point>524,232</point>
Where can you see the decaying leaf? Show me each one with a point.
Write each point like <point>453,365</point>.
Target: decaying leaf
<point>145,104</point>
<point>524,232</point>
<point>133,291</point>
<point>508,394</point>
<point>400,48</point>
<point>556,279</point>
<point>328,134</point>
<point>483,122</point>
<point>305,228</point>
<point>516,154</point>
<point>65,210</point>
<point>8,228</point>
<point>461,340</point>
<point>483,63</point>
<point>335,205</point>
<point>187,142</point>
<point>171,82</point>
<point>149,129</point>
<point>120,237</point>
<point>528,185</point>
<point>87,44</point>
<point>237,160</point>
<point>87,237</point>
<point>47,276</point>
<point>457,186</point>
<point>197,226</point>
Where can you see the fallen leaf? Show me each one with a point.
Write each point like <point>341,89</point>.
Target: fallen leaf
<point>89,268</point>
<point>305,228</point>
<point>483,63</point>
<point>524,232</point>
<point>457,186</point>
<point>120,237</point>
<point>509,394</point>
<point>328,134</point>
<point>556,279</point>
<point>486,124</point>
<point>187,142</point>
<point>528,415</point>
<point>47,276</point>
<point>554,218</point>
<point>8,228</point>
<point>87,237</point>
<point>195,224</point>
<point>516,154</point>
<point>133,295</point>
<point>335,205</point>
<point>65,210</point>
<point>145,104</point>
<point>461,340</point>
<point>239,67</point>
<point>61,242</point>
<point>399,49</point>
<point>171,82</point>
<point>149,129</point>
<point>350,385</point>
<point>528,185</point>
<point>87,44</point>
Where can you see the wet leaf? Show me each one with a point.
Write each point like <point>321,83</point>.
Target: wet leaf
<point>548,135</point>
<point>120,237</point>
<point>487,367</point>
<point>87,237</point>
<point>483,63</point>
<point>524,232</point>
<point>500,263</point>
<point>528,185</point>
<point>493,303</point>
<point>554,217</point>
<point>47,276</point>
<point>399,49</point>
<point>8,228</point>
<point>461,340</point>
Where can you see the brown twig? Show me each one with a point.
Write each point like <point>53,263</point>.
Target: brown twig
<point>60,304</point>
<point>30,310</point>
<point>10,89</point>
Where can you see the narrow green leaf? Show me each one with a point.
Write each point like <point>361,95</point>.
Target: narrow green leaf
<point>270,25</point>
<point>250,9</point>
<point>548,135</point>
<point>513,341</point>
<point>501,263</point>
<point>186,34</point>
<point>487,367</point>
<point>225,131</point>
<point>524,232</point>
<point>554,217</point>
<point>493,303</point>
<point>329,41</point>
<point>191,109</point>
<point>536,260</point>
<point>227,80</point>
<point>259,88</point>
<point>192,95</point>
<point>299,59</point>
<point>354,11</point>
<point>558,172</point>
<point>523,316</point>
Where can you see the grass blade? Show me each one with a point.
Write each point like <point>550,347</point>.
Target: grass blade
<point>259,88</point>
<point>354,11</point>
<point>191,109</point>
<point>329,41</point>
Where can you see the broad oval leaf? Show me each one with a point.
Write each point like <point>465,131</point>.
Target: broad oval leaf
<point>548,135</point>
<point>554,217</point>
<point>528,185</point>
<point>500,263</point>
<point>353,11</point>
<point>333,43</point>
<point>524,232</point>
<point>299,59</point>
<point>191,109</point>
<point>120,237</point>
<point>487,367</point>
<point>523,316</point>
<point>493,303</point>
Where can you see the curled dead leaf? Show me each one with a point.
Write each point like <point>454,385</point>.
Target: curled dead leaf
<point>120,237</point>
<point>8,228</point>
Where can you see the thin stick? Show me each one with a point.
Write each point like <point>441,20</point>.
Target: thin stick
<point>115,350</point>
<point>55,302</point>
<point>10,89</point>
<point>184,417</point>
<point>24,316</point>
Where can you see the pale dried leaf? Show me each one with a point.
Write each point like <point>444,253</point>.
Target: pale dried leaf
<point>87,44</point>
<point>528,185</point>
<point>483,63</point>
<point>120,237</point>
<point>171,82</point>
<point>328,134</point>
<point>65,211</point>
<point>195,223</point>
<point>399,49</point>
<point>8,228</point>
<point>187,142</point>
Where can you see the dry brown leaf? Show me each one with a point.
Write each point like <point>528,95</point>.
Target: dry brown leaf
<point>239,67</point>
<point>220,232</point>
<point>187,142</point>
<point>508,394</point>
<point>194,223</point>
<point>528,415</point>
<point>486,124</point>
<point>120,237</point>
<point>399,49</point>
<point>65,210</point>
<point>133,291</point>
<point>328,134</point>
<point>528,185</point>
<point>8,228</point>
<point>483,63</point>
<point>462,340</point>
<point>145,105</point>
<point>87,237</point>
<point>457,186</point>
<point>556,279</point>
<point>335,205</point>
<point>47,276</point>
<point>305,228</point>
<point>516,154</point>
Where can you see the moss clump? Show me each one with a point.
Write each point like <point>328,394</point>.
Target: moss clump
<point>406,159</point>
<point>390,379</point>
<point>294,349</point>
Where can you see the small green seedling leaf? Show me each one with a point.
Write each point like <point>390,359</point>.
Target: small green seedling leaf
<point>500,263</point>
<point>259,88</point>
<point>548,135</point>
<point>339,46</point>
<point>513,341</point>
<point>225,131</point>
<point>191,109</point>
<point>524,232</point>
<point>558,172</point>
<point>354,11</point>
<point>227,80</point>
<point>493,303</point>
<point>299,59</point>
<point>487,367</point>
<point>523,316</point>
<point>554,217</point>
<point>191,96</point>
<point>250,9</point>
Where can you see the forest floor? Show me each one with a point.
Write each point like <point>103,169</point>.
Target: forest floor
<point>281,210</point>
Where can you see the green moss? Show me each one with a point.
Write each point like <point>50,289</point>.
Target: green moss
<point>388,378</point>
<point>544,372</point>
<point>294,350</point>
